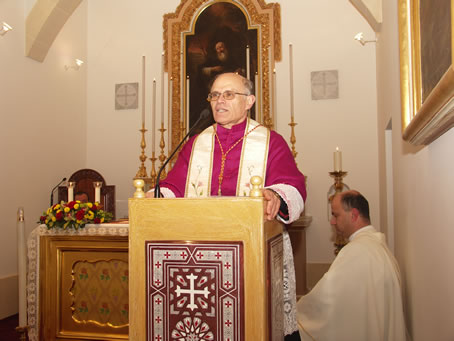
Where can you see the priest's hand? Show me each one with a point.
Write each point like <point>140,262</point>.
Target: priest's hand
<point>272,203</point>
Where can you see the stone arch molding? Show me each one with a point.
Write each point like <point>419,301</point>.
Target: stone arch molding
<point>43,24</point>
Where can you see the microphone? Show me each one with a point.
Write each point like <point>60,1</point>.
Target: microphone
<point>52,193</point>
<point>203,115</point>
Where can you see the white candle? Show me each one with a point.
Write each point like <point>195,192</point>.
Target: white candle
<point>143,92</point>
<point>71,191</point>
<point>290,47</point>
<point>182,80</point>
<point>256,83</point>
<point>187,97</point>
<point>169,107</point>
<point>248,72</point>
<point>274,95</point>
<point>162,88</point>
<point>271,92</point>
<point>337,160</point>
<point>22,267</point>
<point>97,185</point>
<point>153,116</point>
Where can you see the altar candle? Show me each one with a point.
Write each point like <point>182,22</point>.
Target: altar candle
<point>71,191</point>
<point>169,108</point>
<point>290,46</point>
<point>337,160</point>
<point>182,80</point>
<point>143,92</point>
<point>187,97</point>
<point>98,185</point>
<point>162,88</point>
<point>256,85</point>
<point>153,116</point>
<point>22,268</point>
<point>274,93</point>
<point>248,73</point>
<point>271,92</point>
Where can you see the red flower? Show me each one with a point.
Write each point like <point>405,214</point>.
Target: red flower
<point>71,204</point>
<point>59,215</point>
<point>80,215</point>
<point>97,221</point>
<point>42,219</point>
<point>94,207</point>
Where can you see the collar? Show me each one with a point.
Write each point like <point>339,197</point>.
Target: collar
<point>362,229</point>
<point>240,127</point>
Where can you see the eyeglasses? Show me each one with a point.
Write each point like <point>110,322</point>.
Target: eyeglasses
<point>227,95</point>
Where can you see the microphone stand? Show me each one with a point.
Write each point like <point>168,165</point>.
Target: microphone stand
<point>157,189</point>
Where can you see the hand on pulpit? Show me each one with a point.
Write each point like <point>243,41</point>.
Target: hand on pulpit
<point>274,206</point>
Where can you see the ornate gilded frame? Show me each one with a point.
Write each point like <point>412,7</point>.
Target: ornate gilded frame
<point>265,17</point>
<point>423,119</point>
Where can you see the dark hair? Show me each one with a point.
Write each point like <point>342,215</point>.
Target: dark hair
<point>356,200</point>
<point>81,193</point>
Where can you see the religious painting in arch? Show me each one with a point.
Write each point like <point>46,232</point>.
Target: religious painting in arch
<point>191,34</point>
<point>222,41</point>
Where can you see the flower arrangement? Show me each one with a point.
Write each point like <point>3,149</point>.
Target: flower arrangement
<point>74,214</point>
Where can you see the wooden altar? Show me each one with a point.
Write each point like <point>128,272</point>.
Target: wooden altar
<point>61,261</point>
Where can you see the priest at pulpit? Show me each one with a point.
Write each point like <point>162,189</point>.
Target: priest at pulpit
<point>221,160</point>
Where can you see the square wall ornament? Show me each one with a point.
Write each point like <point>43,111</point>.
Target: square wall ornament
<point>126,96</point>
<point>325,84</point>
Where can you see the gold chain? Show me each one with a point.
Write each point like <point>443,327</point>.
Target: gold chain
<point>224,155</point>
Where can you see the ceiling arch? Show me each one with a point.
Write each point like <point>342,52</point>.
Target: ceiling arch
<point>43,24</point>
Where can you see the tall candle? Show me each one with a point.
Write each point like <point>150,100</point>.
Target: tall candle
<point>256,83</point>
<point>337,160</point>
<point>143,91</point>
<point>290,46</point>
<point>271,92</point>
<point>187,97</point>
<point>162,88</point>
<point>153,116</point>
<point>22,267</point>
<point>182,80</point>
<point>274,95</point>
<point>248,72</point>
<point>169,108</point>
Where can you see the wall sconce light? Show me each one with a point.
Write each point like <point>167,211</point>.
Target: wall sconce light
<point>360,38</point>
<point>76,67</point>
<point>4,28</point>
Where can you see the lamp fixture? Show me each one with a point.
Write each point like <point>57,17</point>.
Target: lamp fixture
<point>360,38</point>
<point>78,64</point>
<point>5,28</point>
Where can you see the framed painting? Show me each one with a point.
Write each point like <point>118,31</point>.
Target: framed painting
<point>426,69</point>
<point>205,37</point>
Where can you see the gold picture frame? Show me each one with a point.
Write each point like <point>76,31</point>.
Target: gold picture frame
<point>177,26</point>
<point>426,69</point>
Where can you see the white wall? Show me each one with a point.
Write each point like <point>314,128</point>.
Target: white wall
<point>322,33</point>
<point>42,130</point>
<point>423,185</point>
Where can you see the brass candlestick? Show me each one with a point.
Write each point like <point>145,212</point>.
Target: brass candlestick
<point>162,145</point>
<point>142,172</point>
<point>337,187</point>
<point>292,124</point>
<point>152,180</point>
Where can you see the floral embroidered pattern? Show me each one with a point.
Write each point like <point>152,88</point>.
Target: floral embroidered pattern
<point>197,184</point>
<point>192,330</point>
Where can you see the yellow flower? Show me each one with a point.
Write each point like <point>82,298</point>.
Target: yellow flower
<point>90,215</point>
<point>54,219</point>
<point>67,209</point>
<point>76,206</point>
<point>89,204</point>
<point>58,211</point>
<point>102,219</point>
<point>57,207</point>
<point>49,210</point>
<point>78,221</point>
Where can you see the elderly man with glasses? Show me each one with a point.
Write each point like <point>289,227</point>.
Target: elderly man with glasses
<point>222,159</point>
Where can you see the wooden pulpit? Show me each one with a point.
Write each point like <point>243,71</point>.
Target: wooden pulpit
<point>204,269</point>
